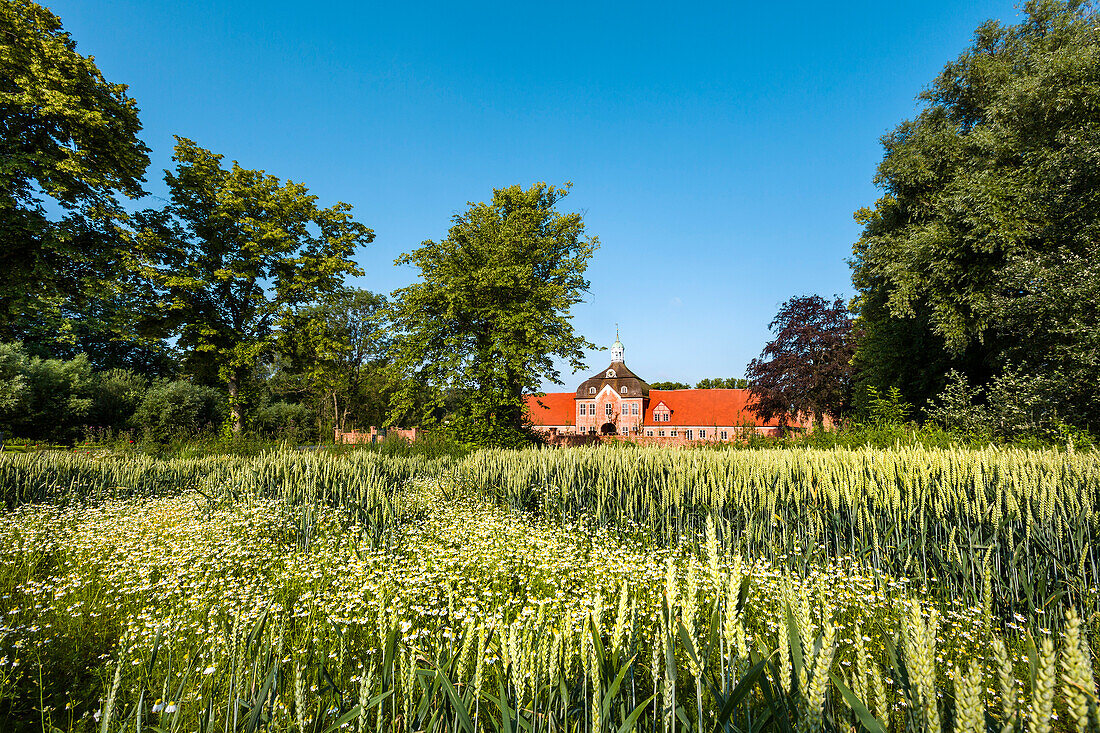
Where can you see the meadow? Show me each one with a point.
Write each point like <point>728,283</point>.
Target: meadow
<point>587,590</point>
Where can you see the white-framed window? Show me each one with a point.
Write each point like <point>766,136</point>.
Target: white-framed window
<point>608,409</point>
<point>610,373</point>
<point>649,433</point>
<point>622,390</point>
<point>672,433</point>
<point>591,390</point>
<point>725,435</point>
<point>660,433</point>
<point>624,430</point>
<point>634,409</point>
<point>687,434</point>
<point>702,434</point>
<point>584,408</point>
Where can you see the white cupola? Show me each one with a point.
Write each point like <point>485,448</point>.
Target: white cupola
<point>617,348</point>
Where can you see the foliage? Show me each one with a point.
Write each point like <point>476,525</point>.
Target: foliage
<point>720,383</point>
<point>982,252</point>
<point>116,395</point>
<point>68,139</point>
<point>43,399</point>
<point>179,408</point>
<point>286,421</point>
<point>236,252</point>
<point>491,312</point>
<point>1012,406</point>
<point>669,385</point>
<point>336,354</point>
<point>806,367</point>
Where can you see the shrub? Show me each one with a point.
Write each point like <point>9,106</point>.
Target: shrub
<point>43,399</point>
<point>174,409</point>
<point>116,396</point>
<point>286,421</point>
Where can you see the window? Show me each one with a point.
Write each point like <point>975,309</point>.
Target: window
<point>608,409</point>
<point>687,434</point>
<point>725,435</point>
<point>622,390</point>
<point>649,433</point>
<point>624,430</point>
<point>584,409</point>
<point>672,433</point>
<point>660,433</point>
<point>610,373</point>
<point>702,434</point>
<point>634,409</point>
<point>592,430</point>
<point>591,390</point>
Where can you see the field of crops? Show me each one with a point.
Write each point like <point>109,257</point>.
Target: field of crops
<point>593,590</point>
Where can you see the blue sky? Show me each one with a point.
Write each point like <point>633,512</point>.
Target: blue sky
<point>717,150</point>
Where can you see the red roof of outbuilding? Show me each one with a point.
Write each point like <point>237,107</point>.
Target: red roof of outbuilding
<point>555,408</point>
<point>702,407</point>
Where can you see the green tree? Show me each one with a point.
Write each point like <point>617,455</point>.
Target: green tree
<point>982,255</point>
<point>236,252</point>
<point>332,351</point>
<point>669,385</point>
<point>68,142</point>
<point>492,310</point>
<point>43,399</point>
<point>720,383</point>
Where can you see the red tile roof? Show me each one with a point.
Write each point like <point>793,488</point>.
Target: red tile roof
<point>554,408</point>
<point>690,407</point>
<point>702,407</point>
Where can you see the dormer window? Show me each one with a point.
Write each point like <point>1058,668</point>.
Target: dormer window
<point>591,390</point>
<point>610,373</point>
<point>622,389</point>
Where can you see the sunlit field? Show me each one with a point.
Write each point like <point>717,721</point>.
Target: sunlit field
<point>581,590</point>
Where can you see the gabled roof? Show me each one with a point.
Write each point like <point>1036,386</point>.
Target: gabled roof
<point>703,407</point>
<point>554,408</point>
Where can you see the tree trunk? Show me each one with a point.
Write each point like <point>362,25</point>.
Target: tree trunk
<point>236,411</point>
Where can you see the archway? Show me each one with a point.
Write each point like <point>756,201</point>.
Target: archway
<point>608,429</point>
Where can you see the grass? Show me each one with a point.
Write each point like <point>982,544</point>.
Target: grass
<point>368,590</point>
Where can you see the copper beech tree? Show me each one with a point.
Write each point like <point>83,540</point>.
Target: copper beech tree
<point>806,368</point>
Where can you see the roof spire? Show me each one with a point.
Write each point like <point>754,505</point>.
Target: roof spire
<point>617,347</point>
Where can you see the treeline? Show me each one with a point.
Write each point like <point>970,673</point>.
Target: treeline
<point>708,383</point>
<point>977,274</point>
<point>228,307</point>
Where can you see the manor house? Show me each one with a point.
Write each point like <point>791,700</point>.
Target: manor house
<point>618,402</point>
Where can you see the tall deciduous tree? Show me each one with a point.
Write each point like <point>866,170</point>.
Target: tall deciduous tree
<point>493,308</point>
<point>332,349</point>
<point>806,367</point>
<point>236,251</point>
<point>981,256</point>
<point>68,140</point>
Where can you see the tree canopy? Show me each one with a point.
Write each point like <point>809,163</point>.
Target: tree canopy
<point>235,252</point>
<point>68,142</point>
<point>983,254</point>
<point>806,367</point>
<point>492,310</point>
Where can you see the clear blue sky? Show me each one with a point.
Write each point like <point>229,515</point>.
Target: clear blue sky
<point>718,151</point>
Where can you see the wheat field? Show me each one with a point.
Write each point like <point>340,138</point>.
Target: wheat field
<point>587,590</point>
